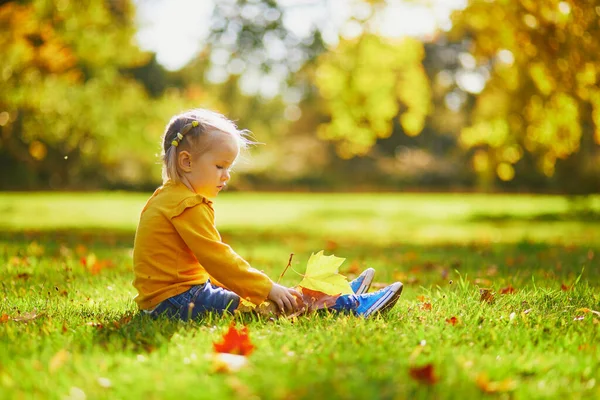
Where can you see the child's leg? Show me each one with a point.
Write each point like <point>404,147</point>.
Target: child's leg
<point>197,301</point>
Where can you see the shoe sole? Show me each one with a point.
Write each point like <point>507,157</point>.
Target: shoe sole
<point>366,283</point>
<point>385,303</point>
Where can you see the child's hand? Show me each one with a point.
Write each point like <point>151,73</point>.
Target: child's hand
<point>284,298</point>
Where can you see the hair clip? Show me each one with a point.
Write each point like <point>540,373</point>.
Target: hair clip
<point>179,136</point>
<point>195,123</point>
<point>175,143</point>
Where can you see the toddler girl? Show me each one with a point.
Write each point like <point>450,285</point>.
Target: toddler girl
<point>182,267</point>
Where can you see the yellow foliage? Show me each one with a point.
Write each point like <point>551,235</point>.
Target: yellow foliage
<point>365,84</point>
<point>322,275</point>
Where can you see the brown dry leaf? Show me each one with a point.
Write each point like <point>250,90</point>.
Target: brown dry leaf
<point>508,290</point>
<point>426,306</point>
<point>488,386</point>
<point>58,360</point>
<point>564,287</point>
<point>4,318</point>
<point>486,295</point>
<point>452,321</point>
<point>29,316</point>
<point>424,374</point>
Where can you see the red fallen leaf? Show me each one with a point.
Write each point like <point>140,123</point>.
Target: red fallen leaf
<point>426,306</point>
<point>315,300</point>
<point>452,321</point>
<point>235,342</point>
<point>4,318</point>
<point>508,290</point>
<point>424,374</point>
<point>564,287</point>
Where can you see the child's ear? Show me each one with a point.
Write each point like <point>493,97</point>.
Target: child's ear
<point>184,161</point>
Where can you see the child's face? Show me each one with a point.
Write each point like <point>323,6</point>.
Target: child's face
<point>210,170</point>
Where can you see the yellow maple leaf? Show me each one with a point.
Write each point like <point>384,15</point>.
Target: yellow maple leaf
<point>322,275</point>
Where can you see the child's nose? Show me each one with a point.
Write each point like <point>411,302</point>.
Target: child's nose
<point>226,175</point>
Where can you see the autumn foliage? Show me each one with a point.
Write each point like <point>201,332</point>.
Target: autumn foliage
<point>235,341</point>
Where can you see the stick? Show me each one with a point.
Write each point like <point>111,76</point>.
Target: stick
<point>286,267</point>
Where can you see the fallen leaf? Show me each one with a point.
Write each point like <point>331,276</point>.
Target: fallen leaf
<point>508,290</point>
<point>23,275</point>
<point>488,386</point>
<point>354,268</point>
<point>426,306</point>
<point>587,310</point>
<point>331,245</point>
<point>29,316</point>
<point>452,321</point>
<point>315,300</point>
<point>424,374</point>
<point>322,275</point>
<point>565,288</point>
<point>421,298</point>
<point>227,362</point>
<point>579,318</point>
<point>4,318</point>
<point>486,295</point>
<point>235,342</point>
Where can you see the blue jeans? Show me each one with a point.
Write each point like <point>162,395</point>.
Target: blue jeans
<point>198,300</point>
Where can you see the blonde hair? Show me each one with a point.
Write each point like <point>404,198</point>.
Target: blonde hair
<point>191,131</point>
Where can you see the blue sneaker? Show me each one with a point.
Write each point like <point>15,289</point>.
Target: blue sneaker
<point>379,301</point>
<point>362,283</point>
<point>366,304</point>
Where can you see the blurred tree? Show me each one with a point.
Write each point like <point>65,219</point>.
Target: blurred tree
<point>65,107</point>
<point>542,93</point>
<point>366,83</point>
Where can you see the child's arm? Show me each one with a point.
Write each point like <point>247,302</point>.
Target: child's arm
<point>196,227</point>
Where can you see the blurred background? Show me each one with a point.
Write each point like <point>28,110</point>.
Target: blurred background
<point>344,95</point>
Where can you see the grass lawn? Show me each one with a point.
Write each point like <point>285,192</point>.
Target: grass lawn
<point>69,327</point>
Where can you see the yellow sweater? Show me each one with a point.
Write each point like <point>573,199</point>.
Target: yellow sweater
<point>177,246</point>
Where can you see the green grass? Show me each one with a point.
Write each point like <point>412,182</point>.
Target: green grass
<point>88,339</point>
